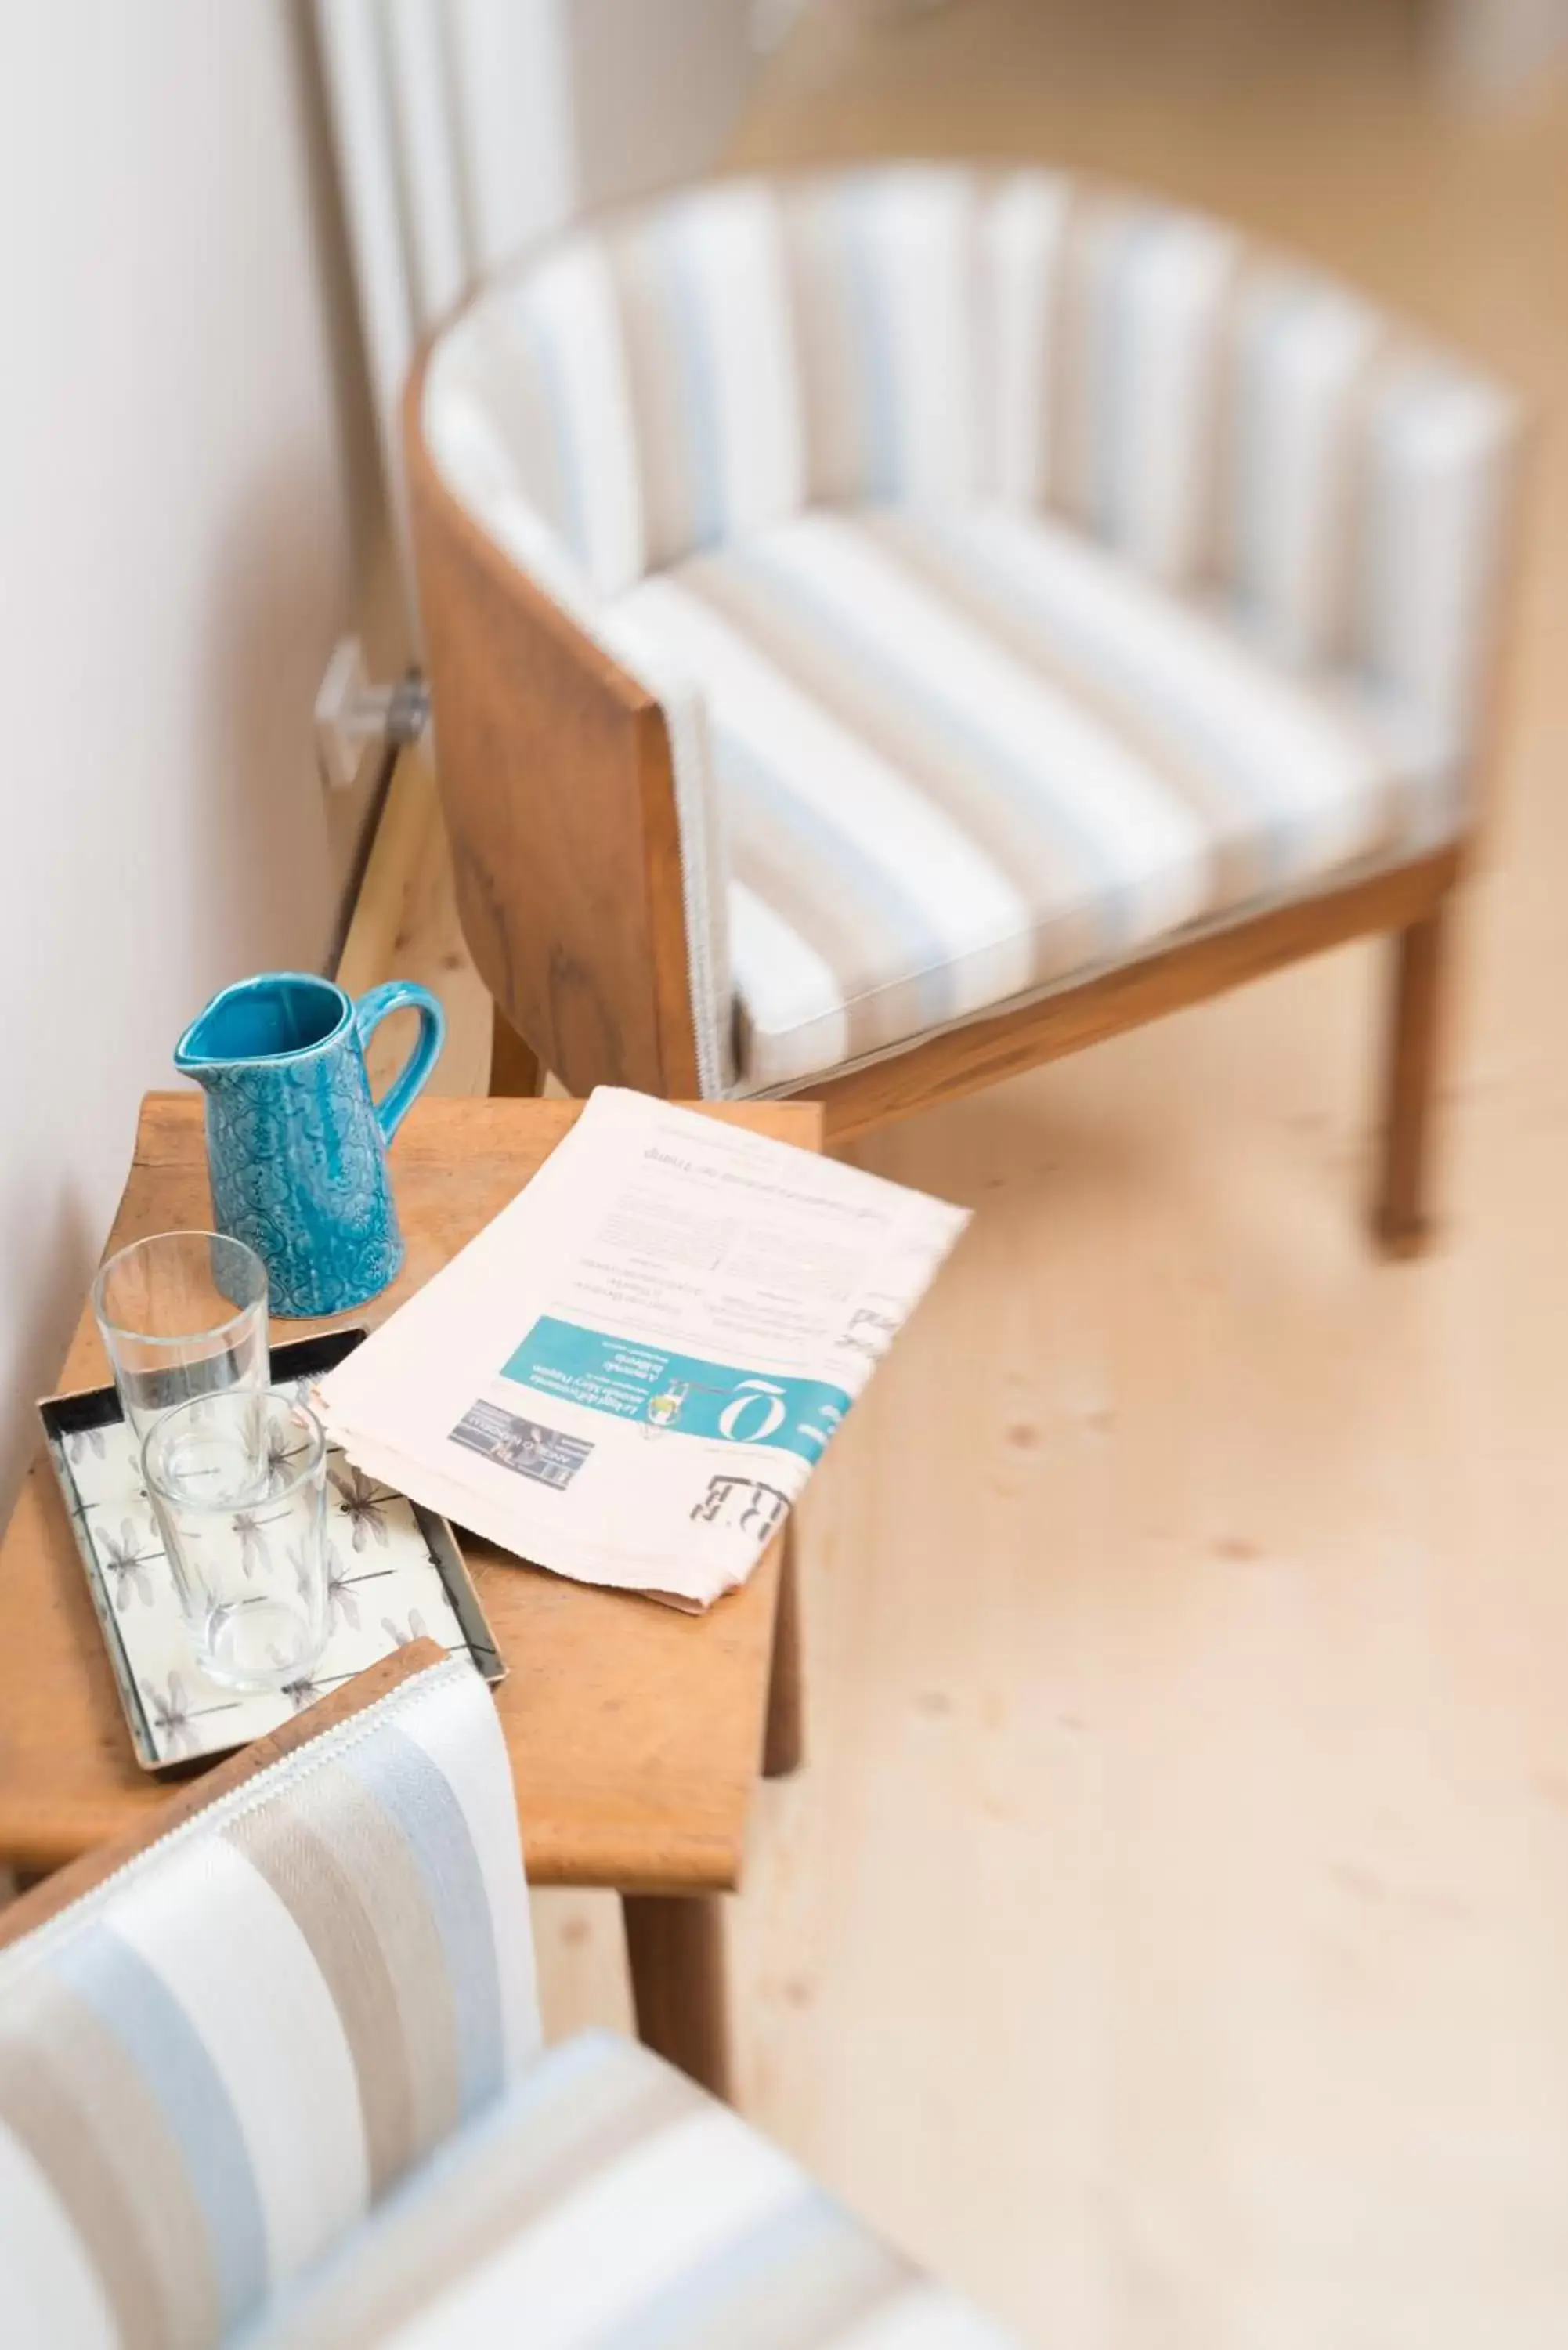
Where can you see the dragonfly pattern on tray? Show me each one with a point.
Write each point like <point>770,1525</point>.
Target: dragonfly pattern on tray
<point>176,1712</point>
<point>127,1556</point>
<point>384,1588</point>
<point>368,1507</point>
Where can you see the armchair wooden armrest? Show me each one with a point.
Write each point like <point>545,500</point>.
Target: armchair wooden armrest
<point>557,788</point>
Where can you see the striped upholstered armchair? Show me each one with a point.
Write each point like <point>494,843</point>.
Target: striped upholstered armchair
<point>274,2077</point>
<point>890,628</point>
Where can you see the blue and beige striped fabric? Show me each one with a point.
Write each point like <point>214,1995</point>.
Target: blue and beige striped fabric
<point>214,2065</point>
<point>277,2084</point>
<point>1072,767</point>
<point>1028,572</point>
<point>608,2202</point>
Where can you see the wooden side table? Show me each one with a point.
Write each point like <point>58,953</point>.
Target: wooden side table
<point>636,1732</point>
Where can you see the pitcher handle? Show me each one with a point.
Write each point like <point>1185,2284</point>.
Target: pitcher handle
<point>372,1008</point>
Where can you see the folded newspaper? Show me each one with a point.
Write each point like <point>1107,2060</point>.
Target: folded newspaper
<point>630,1374</point>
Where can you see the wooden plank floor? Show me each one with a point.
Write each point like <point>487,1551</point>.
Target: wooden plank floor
<point>405,927</point>
<point>1170,1935</point>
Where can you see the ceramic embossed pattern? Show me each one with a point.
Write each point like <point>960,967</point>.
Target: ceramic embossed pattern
<point>296,1148</point>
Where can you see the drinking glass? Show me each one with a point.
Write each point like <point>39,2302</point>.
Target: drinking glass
<point>239,1483</point>
<point>182,1314</point>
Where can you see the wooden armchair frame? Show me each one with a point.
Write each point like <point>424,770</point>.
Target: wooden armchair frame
<point>554,771</point>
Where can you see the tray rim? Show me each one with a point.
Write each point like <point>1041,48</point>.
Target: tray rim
<point>76,1410</point>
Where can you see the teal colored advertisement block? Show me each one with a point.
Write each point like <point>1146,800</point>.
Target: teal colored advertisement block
<point>629,1381</point>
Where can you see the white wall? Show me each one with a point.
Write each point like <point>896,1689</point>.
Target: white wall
<point>657,88</point>
<point>175,560</point>
<point>1493,48</point>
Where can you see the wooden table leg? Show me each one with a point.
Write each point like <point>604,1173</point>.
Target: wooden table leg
<point>515,1070</point>
<point>1400,1210</point>
<point>784,1738</point>
<point>675,1948</point>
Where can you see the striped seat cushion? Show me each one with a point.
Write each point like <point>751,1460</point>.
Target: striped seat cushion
<point>967,754</point>
<point>214,2065</point>
<point>607,2201</point>
<point>658,411</point>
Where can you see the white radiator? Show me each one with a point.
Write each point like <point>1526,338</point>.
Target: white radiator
<point>453,124</point>
<point>465,128</point>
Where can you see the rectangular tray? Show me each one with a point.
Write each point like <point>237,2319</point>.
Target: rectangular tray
<point>394,1569</point>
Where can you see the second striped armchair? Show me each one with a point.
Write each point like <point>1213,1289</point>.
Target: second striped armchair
<point>270,2076</point>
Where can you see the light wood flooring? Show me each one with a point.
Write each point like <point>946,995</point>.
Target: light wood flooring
<point>1168,1938</point>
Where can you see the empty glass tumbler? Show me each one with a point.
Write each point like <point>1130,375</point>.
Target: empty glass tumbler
<point>182,1314</point>
<point>239,1484</point>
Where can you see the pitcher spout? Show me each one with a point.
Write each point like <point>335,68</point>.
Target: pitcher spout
<point>191,1056</point>
<point>276,1017</point>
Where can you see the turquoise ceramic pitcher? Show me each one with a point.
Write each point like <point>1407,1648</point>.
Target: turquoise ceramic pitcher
<point>296,1147</point>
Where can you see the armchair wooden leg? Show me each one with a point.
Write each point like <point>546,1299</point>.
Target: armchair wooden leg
<point>784,1738</point>
<point>1400,1218</point>
<point>514,1072</point>
<point>675,1949</point>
